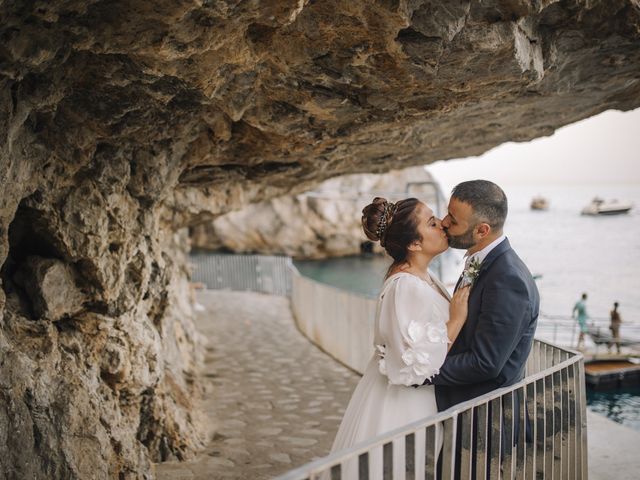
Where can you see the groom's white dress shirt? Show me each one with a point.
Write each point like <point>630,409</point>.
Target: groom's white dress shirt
<point>482,254</point>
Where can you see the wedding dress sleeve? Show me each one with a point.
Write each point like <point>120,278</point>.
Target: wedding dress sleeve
<point>414,332</point>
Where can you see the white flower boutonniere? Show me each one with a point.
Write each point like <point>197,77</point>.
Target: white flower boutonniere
<point>471,273</point>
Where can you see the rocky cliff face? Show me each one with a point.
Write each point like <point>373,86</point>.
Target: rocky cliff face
<point>123,121</point>
<point>98,354</point>
<point>321,223</point>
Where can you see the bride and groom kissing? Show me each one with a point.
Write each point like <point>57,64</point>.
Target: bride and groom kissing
<point>433,350</point>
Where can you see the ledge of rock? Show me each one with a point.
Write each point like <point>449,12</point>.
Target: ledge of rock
<point>318,224</point>
<point>123,121</point>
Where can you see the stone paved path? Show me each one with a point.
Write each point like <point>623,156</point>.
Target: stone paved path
<point>275,400</point>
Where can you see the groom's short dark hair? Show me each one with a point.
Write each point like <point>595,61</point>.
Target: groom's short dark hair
<point>487,199</point>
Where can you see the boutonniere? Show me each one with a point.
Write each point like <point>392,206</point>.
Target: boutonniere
<point>471,272</point>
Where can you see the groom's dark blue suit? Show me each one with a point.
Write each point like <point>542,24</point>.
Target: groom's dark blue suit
<point>494,343</point>
<point>493,346</point>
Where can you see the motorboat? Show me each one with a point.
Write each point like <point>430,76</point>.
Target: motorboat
<point>539,203</point>
<point>598,206</point>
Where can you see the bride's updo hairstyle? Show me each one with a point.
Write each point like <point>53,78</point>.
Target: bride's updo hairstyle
<point>394,225</point>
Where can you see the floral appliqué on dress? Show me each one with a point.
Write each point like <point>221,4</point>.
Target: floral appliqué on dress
<point>416,357</point>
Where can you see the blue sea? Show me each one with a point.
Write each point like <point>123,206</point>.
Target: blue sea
<point>576,253</point>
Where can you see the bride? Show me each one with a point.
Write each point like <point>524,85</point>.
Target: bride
<point>416,321</point>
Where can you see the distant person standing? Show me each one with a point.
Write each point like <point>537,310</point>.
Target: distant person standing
<point>616,320</point>
<point>580,314</point>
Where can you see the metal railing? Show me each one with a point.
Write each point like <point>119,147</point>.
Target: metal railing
<point>476,434</point>
<point>256,273</point>
<point>533,429</point>
<point>563,330</point>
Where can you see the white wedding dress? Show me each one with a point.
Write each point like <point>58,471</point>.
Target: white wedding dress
<point>411,344</point>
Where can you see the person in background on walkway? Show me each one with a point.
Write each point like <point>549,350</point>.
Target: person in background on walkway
<point>580,314</point>
<point>615,327</point>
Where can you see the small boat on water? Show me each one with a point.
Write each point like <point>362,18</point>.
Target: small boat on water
<point>598,206</point>
<point>539,203</point>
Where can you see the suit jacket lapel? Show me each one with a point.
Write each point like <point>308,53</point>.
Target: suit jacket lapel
<point>493,254</point>
<point>463,339</point>
<point>501,248</point>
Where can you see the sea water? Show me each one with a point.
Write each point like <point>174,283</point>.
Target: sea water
<point>574,253</point>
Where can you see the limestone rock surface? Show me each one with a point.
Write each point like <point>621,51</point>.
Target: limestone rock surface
<point>121,122</point>
<point>321,223</point>
<point>50,287</point>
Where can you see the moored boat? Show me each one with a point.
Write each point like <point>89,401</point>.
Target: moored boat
<point>598,206</point>
<point>539,203</point>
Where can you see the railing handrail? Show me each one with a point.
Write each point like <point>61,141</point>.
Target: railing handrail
<point>454,411</point>
<point>264,256</point>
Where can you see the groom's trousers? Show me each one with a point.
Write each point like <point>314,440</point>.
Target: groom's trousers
<point>471,446</point>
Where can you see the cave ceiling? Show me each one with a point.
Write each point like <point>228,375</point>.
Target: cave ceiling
<point>208,105</point>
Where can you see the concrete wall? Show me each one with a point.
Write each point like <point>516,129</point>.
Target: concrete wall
<point>340,323</point>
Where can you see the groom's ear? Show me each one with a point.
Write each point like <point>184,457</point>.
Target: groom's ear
<point>483,230</point>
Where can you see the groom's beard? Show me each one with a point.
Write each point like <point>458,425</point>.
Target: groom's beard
<point>464,241</point>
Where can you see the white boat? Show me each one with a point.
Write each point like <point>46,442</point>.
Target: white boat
<point>599,206</point>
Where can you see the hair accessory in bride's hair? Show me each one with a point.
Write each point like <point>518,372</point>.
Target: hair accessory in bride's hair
<point>385,219</point>
<point>382,223</point>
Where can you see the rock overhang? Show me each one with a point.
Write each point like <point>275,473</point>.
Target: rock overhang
<point>278,95</point>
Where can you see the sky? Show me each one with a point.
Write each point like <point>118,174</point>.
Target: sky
<point>604,149</point>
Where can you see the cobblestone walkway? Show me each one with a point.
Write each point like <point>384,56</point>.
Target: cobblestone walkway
<point>275,400</point>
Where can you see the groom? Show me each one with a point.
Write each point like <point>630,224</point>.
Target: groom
<point>492,347</point>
